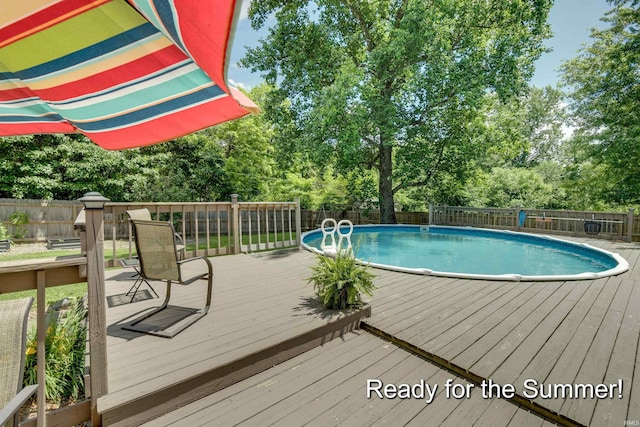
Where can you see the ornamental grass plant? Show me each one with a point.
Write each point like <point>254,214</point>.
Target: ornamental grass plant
<point>340,281</point>
<point>65,354</point>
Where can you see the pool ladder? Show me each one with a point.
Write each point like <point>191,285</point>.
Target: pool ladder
<point>329,229</point>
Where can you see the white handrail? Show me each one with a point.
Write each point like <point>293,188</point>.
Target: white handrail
<point>335,228</point>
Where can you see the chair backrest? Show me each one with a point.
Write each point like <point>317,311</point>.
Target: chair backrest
<point>156,246</point>
<point>13,341</point>
<point>144,214</point>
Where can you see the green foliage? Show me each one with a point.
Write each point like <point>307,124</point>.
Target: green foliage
<point>65,354</point>
<point>390,85</point>
<point>340,282</point>
<point>511,187</point>
<point>603,87</point>
<point>523,131</point>
<point>187,169</point>
<point>64,167</point>
<point>4,233</point>
<point>19,219</point>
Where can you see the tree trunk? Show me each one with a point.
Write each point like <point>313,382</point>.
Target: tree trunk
<point>385,186</point>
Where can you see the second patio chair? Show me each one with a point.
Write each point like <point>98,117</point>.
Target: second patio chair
<point>156,247</point>
<point>145,214</point>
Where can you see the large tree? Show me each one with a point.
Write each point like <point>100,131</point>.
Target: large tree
<point>604,85</point>
<point>394,84</point>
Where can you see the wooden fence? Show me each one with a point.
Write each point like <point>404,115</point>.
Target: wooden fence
<point>606,225</point>
<point>210,221</point>
<point>47,218</point>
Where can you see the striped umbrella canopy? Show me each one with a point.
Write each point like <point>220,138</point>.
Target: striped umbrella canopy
<point>125,73</point>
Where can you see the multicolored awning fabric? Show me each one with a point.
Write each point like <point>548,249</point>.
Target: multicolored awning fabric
<point>124,73</point>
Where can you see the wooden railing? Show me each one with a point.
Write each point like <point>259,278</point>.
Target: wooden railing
<point>18,276</point>
<point>269,225</point>
<point>211,228</point>
<point>606,225</point>
<point>208,229</point>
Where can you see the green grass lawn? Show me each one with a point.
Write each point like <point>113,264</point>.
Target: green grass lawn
<point>52,294</point>
<point>8,256</point>
<point>224,240</point>
<point>56,293</point>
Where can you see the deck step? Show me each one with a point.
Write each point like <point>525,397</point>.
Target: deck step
<point>159,402</point>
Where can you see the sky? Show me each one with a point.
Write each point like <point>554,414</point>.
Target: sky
<point>571,22</point>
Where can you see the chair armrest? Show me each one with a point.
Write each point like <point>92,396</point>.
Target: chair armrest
<point>16,403</point>
<point>197,276</point>
<point>179,240</point>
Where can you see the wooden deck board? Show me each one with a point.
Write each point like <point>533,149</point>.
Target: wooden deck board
<point>596,361</point>
<point>509,370</point>
<point>498,413</point>
<point>422,309</point>
<point>259,388</point>
<point>568,364</point>
<point>459,315</point>
<point>524,419</point>
<point>254,308</point>
<point>304,390</point>
<point>553,347</point>
<point>547,337</point>
<point>493,348</point>
<point>621,367</point>
<point>450,345</point>
<point>554,332</point>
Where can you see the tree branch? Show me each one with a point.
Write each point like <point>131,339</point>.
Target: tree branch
<point>404,184</point>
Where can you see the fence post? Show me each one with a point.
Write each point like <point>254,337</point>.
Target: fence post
<point>236,226</point>
<point>430,213</point>
<point>298,224</point>
<point>94,210</point>
<point>517,219</point>
<point>630,225</point>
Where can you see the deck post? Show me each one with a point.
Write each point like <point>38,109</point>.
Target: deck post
<point>41,283</point>
<point>630,225</point>
<point>298,223</point>
<point>94,209</point>
<point>236,226</point>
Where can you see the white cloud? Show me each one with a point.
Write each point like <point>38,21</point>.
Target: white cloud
<point>238,84</point>
<point>244,11</point>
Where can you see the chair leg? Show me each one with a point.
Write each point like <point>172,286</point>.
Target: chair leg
<point>132,325</point>
<point>200,313</point>
<point>209,286</point>
<point>136,286</point>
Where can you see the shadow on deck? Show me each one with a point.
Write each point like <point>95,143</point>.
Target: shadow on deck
<point>262,314</point>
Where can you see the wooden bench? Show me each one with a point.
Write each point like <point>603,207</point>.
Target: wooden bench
<point>64,243</point>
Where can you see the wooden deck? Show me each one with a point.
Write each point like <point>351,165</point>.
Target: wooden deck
<point>578,332</point>
<point>262,313</point>
<point>325,386</point>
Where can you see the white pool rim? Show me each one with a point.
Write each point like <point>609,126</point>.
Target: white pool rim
<point>621,267</point>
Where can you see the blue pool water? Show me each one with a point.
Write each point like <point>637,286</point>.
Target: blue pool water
<point>477,253</point>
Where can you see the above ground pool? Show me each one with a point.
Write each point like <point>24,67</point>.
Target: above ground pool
<point>476,253</point>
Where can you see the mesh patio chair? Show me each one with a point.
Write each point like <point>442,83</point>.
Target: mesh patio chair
<point>13,341</point>
<point>156,245</point>
<point>145,214</point>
